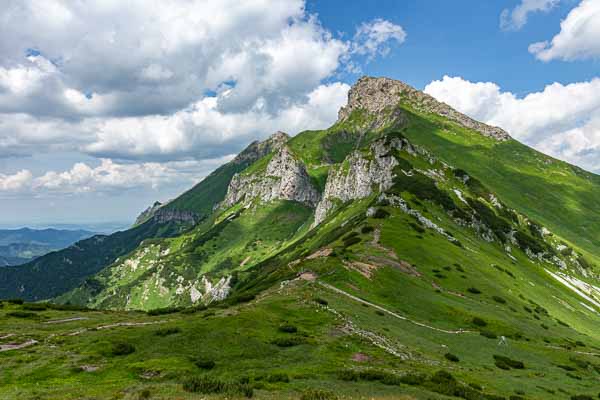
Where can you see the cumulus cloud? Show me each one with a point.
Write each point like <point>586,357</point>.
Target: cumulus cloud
<point>560,120</point>
<point>579,36</point>
<point>107,177</point>
<point>373,38</point>
<point>152,83</point>
<point>516,18</point>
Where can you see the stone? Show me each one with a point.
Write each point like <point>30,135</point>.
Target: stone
<point>381,97</point>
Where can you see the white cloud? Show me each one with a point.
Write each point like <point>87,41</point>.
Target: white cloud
<point>107,177</point>
<point>516,18</point>
<point>579,36</point>
<point>560,120</point>
<point>373,38</point>
<point>159,89</point>
<point>16,181</point>
<point>203,131</point>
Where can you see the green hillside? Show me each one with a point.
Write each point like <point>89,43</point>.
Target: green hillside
<point>407,252</point>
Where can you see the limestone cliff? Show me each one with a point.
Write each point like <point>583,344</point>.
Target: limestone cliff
<point>285,178</point>
<point>361,174</point>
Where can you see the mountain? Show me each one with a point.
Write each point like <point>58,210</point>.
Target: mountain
<point>408,251</point>
<point>58,272</point>
<point>17,246</point>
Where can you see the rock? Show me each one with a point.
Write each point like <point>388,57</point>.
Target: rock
<point>285,178</point>
<point>158,213</point>
<point>147,213</point>
<point>381,97</point>
<point>358,175</point>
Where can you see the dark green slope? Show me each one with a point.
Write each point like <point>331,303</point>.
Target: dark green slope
<point>59,271</point>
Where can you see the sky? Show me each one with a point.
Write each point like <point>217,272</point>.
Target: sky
<point>107,105</point>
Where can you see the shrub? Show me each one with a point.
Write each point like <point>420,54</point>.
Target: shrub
<point>321,301</point>
<point>204,363</point>
<point>380,313</point>
<point>499,299</point>
<point>351,241</point>
<point>164,311</point>
<point>488,334</point>
<point>581,397</point>
<point>22,314</point>
<point>497,224</point>
<point>507,362</point>
<point>278,377</point>
<point>479,321</point>
<point>286,328</point>
<point>451,357</point>
<point>318,394</point>
<point>15,301</point>
<point>380,213</point>
<point>288,341</point>
<point>209,385</point>
<point>35,307</point>
<point>167,331</point>
<point>474,290</point>
<point>144,394</point>
<point>413,379</point>
<point>122,349</point>
<point>422,187</point>
<point>367,229</point>
<point>417,227</point>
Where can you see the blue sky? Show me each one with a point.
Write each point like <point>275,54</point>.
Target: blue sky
<point>105,109</point>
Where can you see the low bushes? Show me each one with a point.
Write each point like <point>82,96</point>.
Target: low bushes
<point>451,357</point>
<point>488,334</point>
<point>499,299</point>
<point>35,307</point>
<point>204,363</point>
<point>277,377</point>
<point>318,394</point>
<point>21,314</point>
<point>474,290</point>
<point>122,349</point>
<point>167,331</point>
<point>288,341</point>
<point>287,328</point>
<point>479,321</point>
<point>503,362</point>
<point>211,385</point>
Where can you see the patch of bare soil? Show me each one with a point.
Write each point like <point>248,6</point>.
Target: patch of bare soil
<point>362,268</point>
<point>400,264</point>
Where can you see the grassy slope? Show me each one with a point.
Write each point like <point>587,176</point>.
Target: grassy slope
<point>216,248</point>
<point>562,197</point>
<point>60,271</point>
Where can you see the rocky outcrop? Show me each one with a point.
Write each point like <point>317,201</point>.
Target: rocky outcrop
<point>380,97</point>
<point>257,149</point>
<point>285,178</point>
<point>147,213</point>
<point>359,175</point>
<point>164,215</point>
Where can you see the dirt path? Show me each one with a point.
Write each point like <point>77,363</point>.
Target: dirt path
<point>60,321</point>
<point>393,314</point>
<point>15,346</point>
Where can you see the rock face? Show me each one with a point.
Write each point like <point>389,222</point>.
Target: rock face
<point>147,213</point>
<point>359,176</point>
<point>257,149</point>
<point>381,96</point>
<point>285,178</point>
<point>163,215</point>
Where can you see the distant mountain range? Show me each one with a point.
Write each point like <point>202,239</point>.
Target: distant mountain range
<point>18,246</point>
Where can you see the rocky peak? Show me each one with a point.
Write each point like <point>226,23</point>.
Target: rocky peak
<point>258,149</point>
<point>379,96</point>
<point>285,178</point>
<point>147,213</point>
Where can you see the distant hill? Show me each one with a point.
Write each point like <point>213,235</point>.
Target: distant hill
<point>18,246</point>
